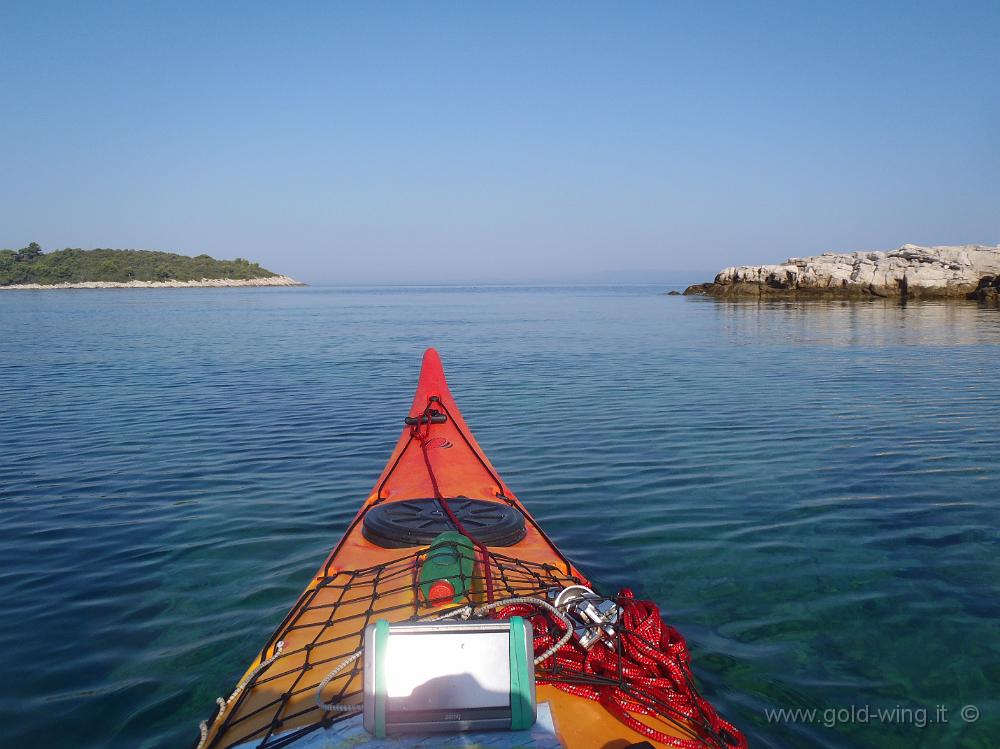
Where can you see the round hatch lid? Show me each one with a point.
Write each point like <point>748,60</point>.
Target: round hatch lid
<point>417,522</point>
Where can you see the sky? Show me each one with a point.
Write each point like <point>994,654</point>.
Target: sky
<point>513,142</point>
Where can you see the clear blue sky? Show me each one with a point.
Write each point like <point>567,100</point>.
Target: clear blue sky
<point>511,142</point>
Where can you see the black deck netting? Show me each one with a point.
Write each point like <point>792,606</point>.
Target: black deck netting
<point>277,704</point>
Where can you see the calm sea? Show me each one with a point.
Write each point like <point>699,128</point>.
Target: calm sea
<point>811,492</point>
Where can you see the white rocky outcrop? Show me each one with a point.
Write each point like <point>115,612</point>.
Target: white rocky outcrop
<point>911,271</point>
<point>203,283</point>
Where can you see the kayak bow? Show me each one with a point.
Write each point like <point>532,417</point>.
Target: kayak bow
<point>634,688</point>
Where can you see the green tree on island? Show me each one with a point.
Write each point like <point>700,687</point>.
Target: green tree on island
<point>26,254</point>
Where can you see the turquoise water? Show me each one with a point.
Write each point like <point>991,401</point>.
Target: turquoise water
<point>811,492</point>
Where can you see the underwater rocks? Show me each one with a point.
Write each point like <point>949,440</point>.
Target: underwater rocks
<point>911,272</point>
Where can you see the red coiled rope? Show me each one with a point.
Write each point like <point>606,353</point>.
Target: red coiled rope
<point>650,674</point>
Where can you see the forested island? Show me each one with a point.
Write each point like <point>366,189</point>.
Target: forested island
<point>31,268</point>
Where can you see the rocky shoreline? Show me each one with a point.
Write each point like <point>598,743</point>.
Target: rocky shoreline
<point>911,272</point>
<point>210,283</point>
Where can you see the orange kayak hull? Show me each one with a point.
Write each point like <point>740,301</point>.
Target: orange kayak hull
<point>278,697</point>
